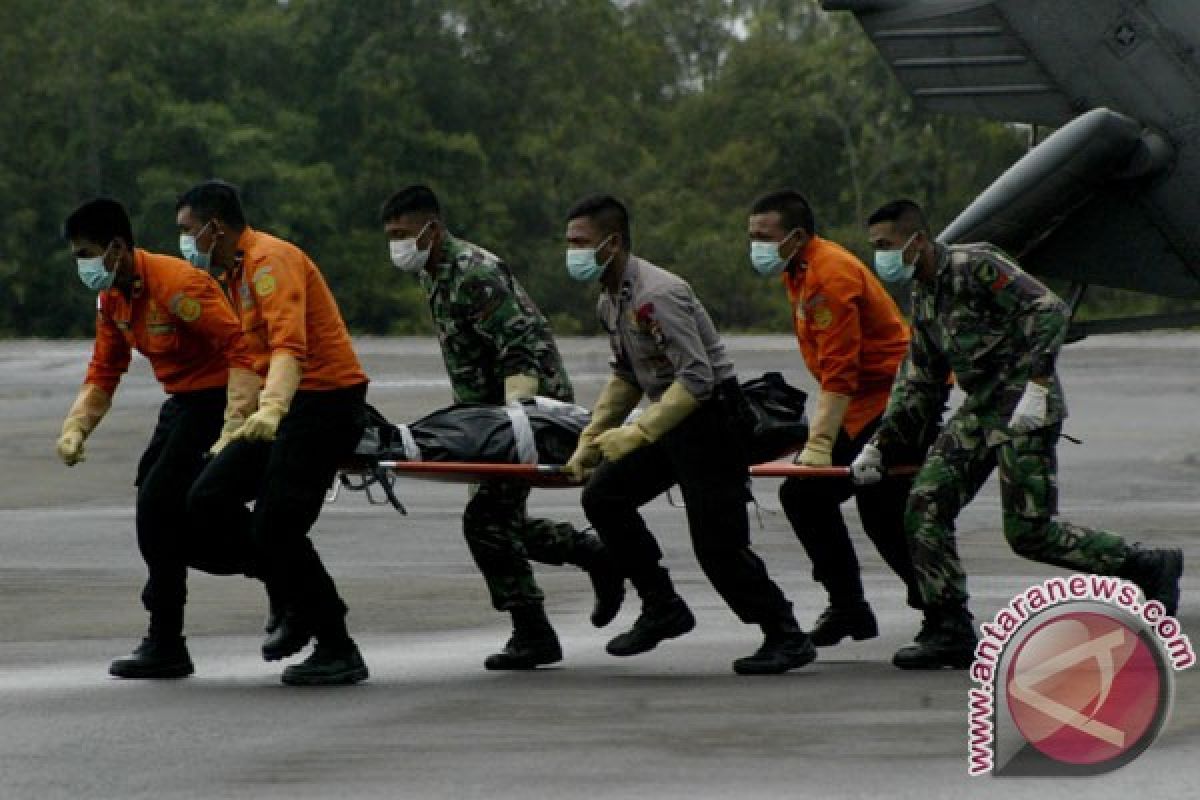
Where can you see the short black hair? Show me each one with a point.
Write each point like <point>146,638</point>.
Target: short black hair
<point>607,212</point>
<point>906,214</point>
<point>99,220</point>
<point>214,199</point>
<point>415,199</point>
<point>792,206</point>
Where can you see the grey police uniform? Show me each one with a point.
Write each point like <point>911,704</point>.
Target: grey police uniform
<point>651,303</point>
<point>660,333</point>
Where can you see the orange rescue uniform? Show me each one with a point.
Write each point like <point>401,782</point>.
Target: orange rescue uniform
<point>286,306</point>
<point>176,316</point>
<point>851,333</point>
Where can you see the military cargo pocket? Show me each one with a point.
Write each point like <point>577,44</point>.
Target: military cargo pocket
<point>1029,474</point>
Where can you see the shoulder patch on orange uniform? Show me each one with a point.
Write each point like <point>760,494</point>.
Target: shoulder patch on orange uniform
<point>186,308</point>
<point>822,318</point>
<point>264,282</point>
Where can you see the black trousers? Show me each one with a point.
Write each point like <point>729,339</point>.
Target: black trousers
<point>188,424</point>
<point>813,506</point>
<point>705,458</point>
<point>287,480</point>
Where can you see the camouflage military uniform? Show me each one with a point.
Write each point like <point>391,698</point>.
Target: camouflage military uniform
<point>490,329</point>
<point>994,327</point>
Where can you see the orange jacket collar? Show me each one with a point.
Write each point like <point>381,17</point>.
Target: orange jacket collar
<point>810,249</point>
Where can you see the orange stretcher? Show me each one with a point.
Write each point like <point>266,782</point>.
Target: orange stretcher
<point>540,476</point>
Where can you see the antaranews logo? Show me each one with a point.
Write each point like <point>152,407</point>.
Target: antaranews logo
<point>1075,677</point>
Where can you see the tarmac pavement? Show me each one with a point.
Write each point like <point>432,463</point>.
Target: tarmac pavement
<point>432,723</point>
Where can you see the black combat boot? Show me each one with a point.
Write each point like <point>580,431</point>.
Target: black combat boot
<point>607,582</point>
<point>839,621</point>
<point>785,646</point>
<point>154,659</point>
<point>1157,574</point>
<point>289,636</point>
<point>661,618</point>
<point>334,662</point>
<point>947,639</point>
<point>532,644</point>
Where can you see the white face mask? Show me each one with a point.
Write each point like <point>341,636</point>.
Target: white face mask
<point>405,255</point>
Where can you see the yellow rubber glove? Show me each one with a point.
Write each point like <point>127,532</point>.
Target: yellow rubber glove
<point>90,406</point>
<point>70,442</point>
<point>520,387</point>
<point>581,463</point>
<point>616,400</point>
<point>823,431</point>
<point>620,442</point>
<point>671,409</point>
<point>241,401</point>
<point>283,377</point>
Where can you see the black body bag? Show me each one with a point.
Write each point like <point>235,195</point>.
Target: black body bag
<point>541,431</point>
<point>769,415</point>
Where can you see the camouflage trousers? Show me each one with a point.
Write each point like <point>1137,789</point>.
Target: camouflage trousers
<point>959,463</point>
<point>503,538</point>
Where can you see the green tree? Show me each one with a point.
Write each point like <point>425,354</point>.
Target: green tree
<point>319,109</point>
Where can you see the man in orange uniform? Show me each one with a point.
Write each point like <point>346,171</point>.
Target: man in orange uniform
<point>283,456</point>
<point>178,319</point>
<point>853,339</point>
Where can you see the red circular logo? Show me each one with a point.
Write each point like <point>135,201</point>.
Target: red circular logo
<point>1084,688</point>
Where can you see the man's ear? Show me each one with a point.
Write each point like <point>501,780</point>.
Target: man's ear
<point>433,234</point>
<point>798,240</point>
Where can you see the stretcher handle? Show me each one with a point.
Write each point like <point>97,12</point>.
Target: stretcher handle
<point>771,469</point>
<point>786,469</point>
<point>453,467</point>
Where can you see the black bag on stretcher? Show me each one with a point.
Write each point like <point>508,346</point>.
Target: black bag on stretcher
<point>536,431</point>
<point>531,440</point>
<point>767,412</point>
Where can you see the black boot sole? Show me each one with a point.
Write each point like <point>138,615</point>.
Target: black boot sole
<point>798,660</point>
<point>500,662</point>
<point>343,678</point>
<point>954,660</point>
<point>168,672</point>
<point>285,648</point>
<point>684,626</point>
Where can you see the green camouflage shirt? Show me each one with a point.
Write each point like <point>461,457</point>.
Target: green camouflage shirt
<point>990,324</point>
<point>488,327</point>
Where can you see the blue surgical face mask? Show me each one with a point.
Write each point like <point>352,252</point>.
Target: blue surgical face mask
<point>187,247</point>
<point>93,274</point>
<point>891,266</point>
<point>582,264</point>
<point>765,256</point>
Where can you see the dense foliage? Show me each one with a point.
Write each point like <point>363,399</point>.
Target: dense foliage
<point>510,109</point>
